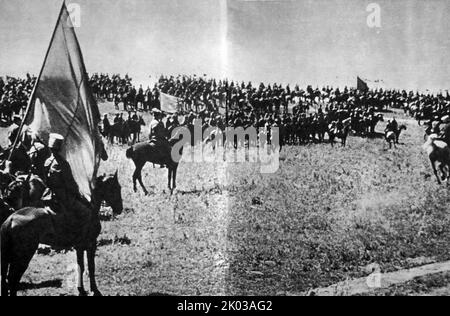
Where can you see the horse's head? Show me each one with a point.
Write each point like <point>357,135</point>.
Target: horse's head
<point>17,193</point>
<point>110,191</point>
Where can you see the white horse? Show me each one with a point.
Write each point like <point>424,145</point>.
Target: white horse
<point>439,154</point>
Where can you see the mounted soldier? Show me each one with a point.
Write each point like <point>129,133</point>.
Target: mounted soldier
<point>158,136</point>
<point>394,124</point>
<point>391,126</point>
<point>172,123</point>
<point>106,126</point>
<point>63,194</point>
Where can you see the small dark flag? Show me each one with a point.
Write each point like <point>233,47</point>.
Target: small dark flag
<point>362,85</point>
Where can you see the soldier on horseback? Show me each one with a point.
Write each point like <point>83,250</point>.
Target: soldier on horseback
<point>392,126</point>
<point>106,126</point>
<point>63,195</point>
<point>158,136</point>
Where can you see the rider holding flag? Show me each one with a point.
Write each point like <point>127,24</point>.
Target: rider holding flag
<point>63,194</point>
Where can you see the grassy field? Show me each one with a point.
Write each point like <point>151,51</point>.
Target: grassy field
<point>324,217</point>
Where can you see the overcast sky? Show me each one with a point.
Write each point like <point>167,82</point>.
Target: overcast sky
<point>301,41</point>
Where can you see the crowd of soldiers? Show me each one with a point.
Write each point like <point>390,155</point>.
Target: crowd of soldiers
<point>120,90</point>
<point>303,115</point>
<point>14,95</point>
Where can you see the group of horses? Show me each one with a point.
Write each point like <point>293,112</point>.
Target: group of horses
<point>124,132</point>
<point>298,132</point>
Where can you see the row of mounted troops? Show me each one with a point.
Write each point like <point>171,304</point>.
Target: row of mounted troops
<point>121,91</point>
<point>295,129</point>
<point>272,98</point>
<point>196,93</point>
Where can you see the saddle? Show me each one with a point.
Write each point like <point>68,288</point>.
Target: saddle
<point>163,148</point>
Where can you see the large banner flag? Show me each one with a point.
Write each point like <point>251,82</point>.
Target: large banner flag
<point>63,103</point>
<point>170,104</point>
<point>362,85</point>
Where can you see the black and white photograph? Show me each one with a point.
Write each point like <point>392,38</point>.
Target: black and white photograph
<point>225,148</point>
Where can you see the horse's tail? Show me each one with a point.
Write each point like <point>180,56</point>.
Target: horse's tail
<point>130,153</point>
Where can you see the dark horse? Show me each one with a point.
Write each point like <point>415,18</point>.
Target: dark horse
<point>144,152</point>
<point>121,131</point>
<point>25,229</point>
<point>135,128</point>
<point>339,133</point>
<point>399,132</point>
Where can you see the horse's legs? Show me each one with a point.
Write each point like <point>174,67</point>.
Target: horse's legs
<point>4,285</point>
<point>174,178</point>
<point>448,174</point>
<point>135,177</point>
<point>91,266</point>
<point>435,171</point>
<point>443,169</point>
<point>18,266</point>
<point>170,180</point>
<point>80,263</point>
<point>139,176</point>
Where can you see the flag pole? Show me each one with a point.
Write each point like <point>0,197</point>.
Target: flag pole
<point>27,111</point>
